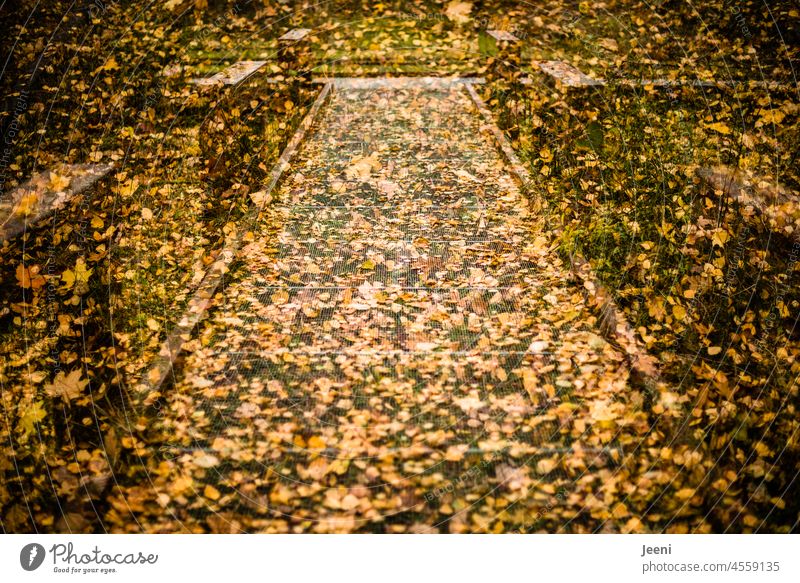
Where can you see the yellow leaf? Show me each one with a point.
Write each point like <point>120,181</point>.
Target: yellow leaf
<point>546,465</point>
<point>771,116</point>
<point>67,386</point>
<point>147,214</point>
<point>455,453</point>
<point>280,297</point>
<point>58,182</point>
<point>211,492</point>
<point>714,350</point>
<point>77,276</point>
<point>620,511</point>
<point>368,264</point>
<point>719,127</point>
<point>110,64</point>
<point>530,383</point>
<point>719,238</point>
<point>315,442</point>
<point>679,312</point>
<point>260,197</point>
<point>609,44</point>
<point>32,416</point>
<point>459,11</point>
<point>27,205</point>
<point>206,460</point>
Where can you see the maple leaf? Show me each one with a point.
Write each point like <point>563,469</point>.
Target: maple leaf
<point>78,276</point>
<point>67,386</point>
<point>58,183</point>
<point>33,415</point>
<point>29,277</point>
<point>458,11</point>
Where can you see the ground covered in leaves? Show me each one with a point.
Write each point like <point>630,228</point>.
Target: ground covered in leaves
<point>401,345</point>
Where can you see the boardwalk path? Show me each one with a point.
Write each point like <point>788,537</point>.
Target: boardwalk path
<point>399,349</point>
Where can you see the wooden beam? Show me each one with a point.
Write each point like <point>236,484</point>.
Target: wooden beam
<point>613,323</point>
<point>44,194</point>
<point>294,35</point>
<point>777,205</point>
<point>567,75</point>
<point>231,76</point>
<point>503,36</point>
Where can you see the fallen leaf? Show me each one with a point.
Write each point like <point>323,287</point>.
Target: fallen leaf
<point>67,386</point>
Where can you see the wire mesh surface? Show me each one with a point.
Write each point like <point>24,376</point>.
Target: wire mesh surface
<point>399,322</point>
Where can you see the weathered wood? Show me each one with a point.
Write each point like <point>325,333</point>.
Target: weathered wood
<point>571,77</point>
<point>503,36</point>
<point>294,53</point>
<point>296,34</point>
<point>506,64</point>
<point>394,82</point>
<point>516,166</point>
<point>44,194</point>
<point>667,83</point>
<point>567,75</point>
<point>233,75</point>
<point>778,206</point>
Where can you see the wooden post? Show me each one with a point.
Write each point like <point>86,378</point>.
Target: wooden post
<point>293,53</point>
<point>506,64</point>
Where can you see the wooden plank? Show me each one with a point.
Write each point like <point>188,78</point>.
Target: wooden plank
<point>503,36</point>
<point>232,75</point>
<point>44,194</point>
<point>571,76</point>
<point>397,82</point>
<point>777,205</point>
<point>294,35</point>
<point>517,167</point>
<point>568,75</point>
<point>147,389</point>
<point>667,83</point>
